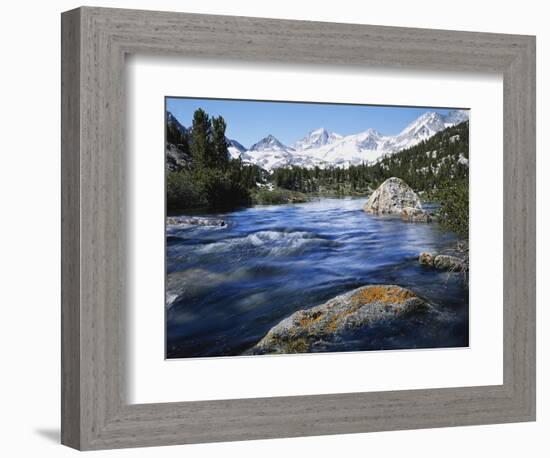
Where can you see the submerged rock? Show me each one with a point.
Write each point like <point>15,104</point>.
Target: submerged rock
<point>426,259</point>
<point>191,282</point>
<point>392,196</point>
<point>364,307</point>
<point>450,263</point>
<point>415,215</point>
<point>443,262</point>
<point>195,221</point>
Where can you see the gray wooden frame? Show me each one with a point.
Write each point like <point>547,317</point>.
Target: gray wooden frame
<point>95,41</point>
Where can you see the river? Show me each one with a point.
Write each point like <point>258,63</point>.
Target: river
<point>227,286</point>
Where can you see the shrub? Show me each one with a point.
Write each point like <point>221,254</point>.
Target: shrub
<point>182,191</point>
<point>454,211</point>
<point>204,188</point>
<point>264,196</point>
<point>219,190</point>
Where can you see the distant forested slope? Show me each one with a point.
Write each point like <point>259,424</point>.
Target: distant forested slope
<point>427,167</point>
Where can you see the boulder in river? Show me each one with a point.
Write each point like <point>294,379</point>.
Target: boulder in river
<point>392,197</point>
<point>306,330</point>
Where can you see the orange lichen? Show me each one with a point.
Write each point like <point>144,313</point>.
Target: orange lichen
<point>331,325</point>
<point>384,294</point>
<point>389,296</point>
<point>307,319</point>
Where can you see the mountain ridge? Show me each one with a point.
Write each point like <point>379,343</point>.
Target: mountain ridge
<point>322,148</point>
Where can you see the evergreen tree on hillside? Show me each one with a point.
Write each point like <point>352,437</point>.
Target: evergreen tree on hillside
<point>201,139</point>
<point>173,135</point>
<point>219,143</point>
<point>212,179</point>
<point>184,143</point>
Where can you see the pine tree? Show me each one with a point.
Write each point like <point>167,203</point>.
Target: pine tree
<point>219,142</point>
<point>201,144</point>
<point>184,142</point>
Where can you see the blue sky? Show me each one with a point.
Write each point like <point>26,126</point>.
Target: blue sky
<point>250,121</point>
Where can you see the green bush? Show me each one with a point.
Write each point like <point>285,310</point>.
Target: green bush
<point>182,191</point>
<point>220,190</point>
<point>210,188</point>
<point>454,211</point>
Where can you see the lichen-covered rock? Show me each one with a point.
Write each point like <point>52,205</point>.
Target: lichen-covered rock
<point>450,263</point>
<point>392,196</point>
<point>415,215</point>
<point>426,259</point>
<point>361,308</point>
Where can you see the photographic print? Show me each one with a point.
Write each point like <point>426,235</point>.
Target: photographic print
<point>296,227</point>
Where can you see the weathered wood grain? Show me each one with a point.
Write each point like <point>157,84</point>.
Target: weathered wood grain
<point>70,229</point>
<point>95,413</point>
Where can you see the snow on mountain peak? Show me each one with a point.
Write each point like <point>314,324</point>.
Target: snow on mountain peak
<point>321,148</point>
<point>319,131</point>
<point>425,125</point>
<point>373,133</point>
<point>456,117</point>
<point>431,122</point>
<point>235,144</point>
<point>268,143</point>
<point>316,138</point>
<point>235,149</point>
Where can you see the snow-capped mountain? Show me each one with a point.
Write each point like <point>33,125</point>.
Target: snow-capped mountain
<point>456,117</point>
<point>365,146</point>
<point>235,149</point>
<point>424,126</point>
<point>328,149</point>
<point>269,153</point>
<point>269,143</point>
<point>315,139</point>
<point>323,149</point>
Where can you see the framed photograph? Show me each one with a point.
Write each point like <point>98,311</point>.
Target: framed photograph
<point>285,228</point>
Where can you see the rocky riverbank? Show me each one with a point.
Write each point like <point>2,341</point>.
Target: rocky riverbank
<point>194,221</point>
<point>455,259</point>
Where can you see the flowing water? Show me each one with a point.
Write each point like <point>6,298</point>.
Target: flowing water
<point>227,286</point>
